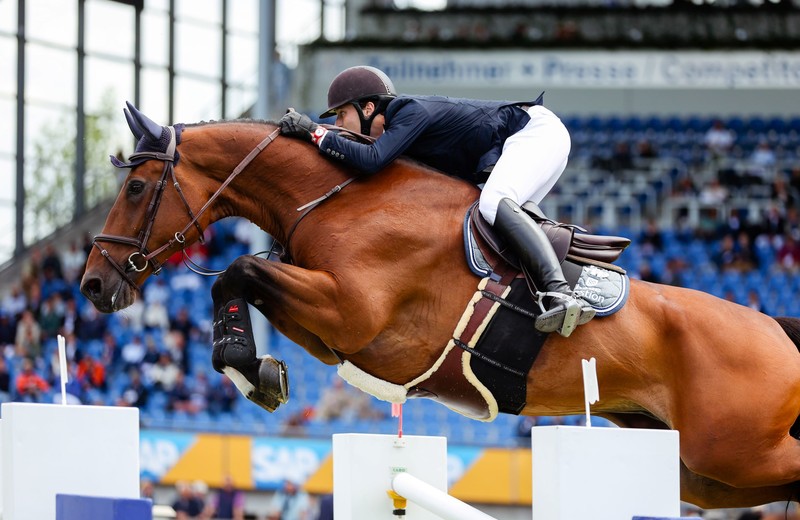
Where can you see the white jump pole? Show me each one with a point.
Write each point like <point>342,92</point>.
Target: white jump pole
<point>435,500</point>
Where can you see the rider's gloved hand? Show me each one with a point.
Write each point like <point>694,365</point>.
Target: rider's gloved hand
<point>300,125</point>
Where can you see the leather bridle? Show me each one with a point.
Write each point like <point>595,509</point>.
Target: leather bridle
<point>143,256</point>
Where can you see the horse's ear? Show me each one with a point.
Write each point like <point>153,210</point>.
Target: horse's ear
<point>137,132</point>
<point>152,128</point>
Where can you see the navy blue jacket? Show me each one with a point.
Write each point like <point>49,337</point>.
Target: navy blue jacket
<point>460,137</point>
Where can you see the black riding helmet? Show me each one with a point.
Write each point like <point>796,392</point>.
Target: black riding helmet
<point>360,84</point>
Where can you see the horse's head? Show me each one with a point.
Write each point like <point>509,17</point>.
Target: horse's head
<point>151,218</point>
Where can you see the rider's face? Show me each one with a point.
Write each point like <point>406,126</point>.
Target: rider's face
<point>347,117</point>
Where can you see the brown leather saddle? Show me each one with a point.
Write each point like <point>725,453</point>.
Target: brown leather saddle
<point>570,242</point>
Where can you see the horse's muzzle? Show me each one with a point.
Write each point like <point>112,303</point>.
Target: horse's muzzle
<point>107,296</point>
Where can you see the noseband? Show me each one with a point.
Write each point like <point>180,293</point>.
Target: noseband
<point>143,255</point>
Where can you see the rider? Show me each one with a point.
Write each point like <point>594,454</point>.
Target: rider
<point>518,149</point>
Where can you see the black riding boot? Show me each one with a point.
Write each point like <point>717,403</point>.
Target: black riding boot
<point>562,311</point>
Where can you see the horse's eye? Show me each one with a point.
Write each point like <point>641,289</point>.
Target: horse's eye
<point>135,187</point>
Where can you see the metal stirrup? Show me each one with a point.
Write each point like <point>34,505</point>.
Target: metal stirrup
<point>572,310</point>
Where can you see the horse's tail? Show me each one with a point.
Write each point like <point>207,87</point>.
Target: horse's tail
<point>791,326</point>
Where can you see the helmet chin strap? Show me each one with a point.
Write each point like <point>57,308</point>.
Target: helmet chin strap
<point>366,122</point>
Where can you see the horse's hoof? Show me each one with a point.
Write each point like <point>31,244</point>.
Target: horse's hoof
<point>273,384</point>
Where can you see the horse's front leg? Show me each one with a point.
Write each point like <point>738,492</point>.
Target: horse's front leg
<point>283,299</point>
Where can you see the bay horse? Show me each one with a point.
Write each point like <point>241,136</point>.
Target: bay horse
<point>374,278</point>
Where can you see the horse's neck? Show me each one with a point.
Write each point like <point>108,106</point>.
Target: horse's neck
<point>285,176</point>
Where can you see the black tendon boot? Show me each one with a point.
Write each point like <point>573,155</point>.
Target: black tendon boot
<point>562,311</point>
<point>262,380</point>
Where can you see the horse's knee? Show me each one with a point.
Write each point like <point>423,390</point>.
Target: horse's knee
<point>234,281</point>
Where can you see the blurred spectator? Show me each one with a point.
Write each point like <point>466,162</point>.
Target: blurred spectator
<point>52,261</point>
<point>156,291</point>
<point>745,251</point>
<point>51,283</point>
<point>152,354</point>
<point>187,505</point>
<point>674,272</point>
<point>228,502</point>
<point>147,489</point>
<point>165,374</point>
<point>713,193</point>
<point>155,317</point>
<point>34,296</point>
<point>726,258</point>
<point>341,401</point>
<point>182,322</point>
<point>199,392</point>
<point>788,256</point>
<point>222,397</point>
<point>29,336</point>
<point>783,193</point>
<point>762,161</point>
<point>735,254</point>
<point>132,353</point>
<point>620,159</point>
<point>179,397</point>
<point>646,150</point>
<point>135,392</point>
<point>92,372</point>
<point>290,503</point>
<point>71,319</point>
<point>30,387</point>
<point>651,240</point>
<point>176,344</point>
<point>772,222</point>
<point>14,302</point>
<point>719,140</point>
<point>646,273</point>
<point>51,316</point>
<point>200,491</point>
<point>92,323</point>
<point>73,262</point>
<point>684,186</point>
<point>112,354</point>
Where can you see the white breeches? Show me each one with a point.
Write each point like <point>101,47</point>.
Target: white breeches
<point>532,161</point>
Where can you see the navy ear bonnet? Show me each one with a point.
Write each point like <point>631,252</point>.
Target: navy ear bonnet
<point>152,138</point>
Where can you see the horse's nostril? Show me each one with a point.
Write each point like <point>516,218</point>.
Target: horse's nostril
<point>92,288</point>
